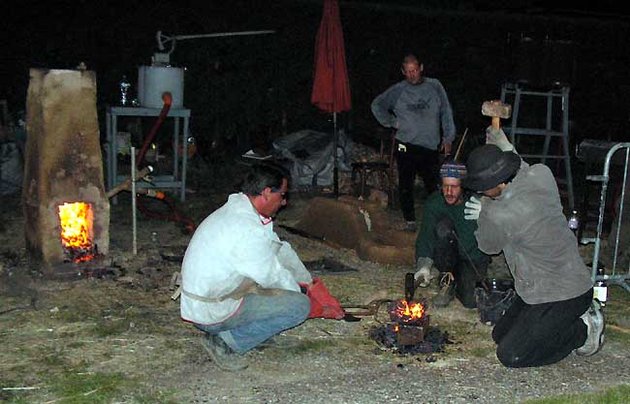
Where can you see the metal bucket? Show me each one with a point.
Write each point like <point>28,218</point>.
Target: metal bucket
<point>492,303</point>
<point>153,81</point>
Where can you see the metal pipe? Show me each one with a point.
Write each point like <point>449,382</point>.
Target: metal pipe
<point>164,39</point>
<point>335,164</point>
<point>604,178</point>
<point>620,213</point>
<point>224,34</point>
<point>134,244</point>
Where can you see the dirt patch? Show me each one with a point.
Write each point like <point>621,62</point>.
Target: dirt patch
<point>120,339</point>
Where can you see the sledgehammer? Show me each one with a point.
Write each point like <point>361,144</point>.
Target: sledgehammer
<point>496,109</point>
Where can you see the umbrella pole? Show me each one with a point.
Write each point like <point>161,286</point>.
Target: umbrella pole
<point>335,168</point>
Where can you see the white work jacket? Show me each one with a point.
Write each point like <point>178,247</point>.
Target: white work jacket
<point>229,246</point>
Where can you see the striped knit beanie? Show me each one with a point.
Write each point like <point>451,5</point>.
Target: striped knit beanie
<point>452,169</point>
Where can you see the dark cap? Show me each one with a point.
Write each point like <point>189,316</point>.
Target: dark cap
<point>489,166</point>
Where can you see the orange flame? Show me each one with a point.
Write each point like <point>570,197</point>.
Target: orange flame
<point>409,312</point>
<point>76,221</point>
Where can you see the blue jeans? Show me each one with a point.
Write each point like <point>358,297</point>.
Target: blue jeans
<point>259,318</point>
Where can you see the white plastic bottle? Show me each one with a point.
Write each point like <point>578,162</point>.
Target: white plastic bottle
<point>574,222</point>
<point>600,290</point>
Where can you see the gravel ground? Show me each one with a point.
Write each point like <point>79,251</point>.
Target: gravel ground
<point>320,361</point>
<point>332,361</point>
<point>352,377</point>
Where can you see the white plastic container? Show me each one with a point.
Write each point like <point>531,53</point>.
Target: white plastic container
<point>153,81</point>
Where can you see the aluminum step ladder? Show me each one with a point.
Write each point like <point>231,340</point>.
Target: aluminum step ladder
<point>556,125</point>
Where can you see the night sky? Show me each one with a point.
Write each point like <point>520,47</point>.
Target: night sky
<point>114,37</point>
<point>106,35</point>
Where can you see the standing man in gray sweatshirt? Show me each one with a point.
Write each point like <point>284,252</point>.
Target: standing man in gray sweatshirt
<point>418,109</point>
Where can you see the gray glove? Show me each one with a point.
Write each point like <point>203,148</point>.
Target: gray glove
<point>472,208</point>
<point>423,274</point>
<point>497,137</point>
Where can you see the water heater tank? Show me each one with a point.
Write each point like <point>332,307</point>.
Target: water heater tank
<point>153,81</point>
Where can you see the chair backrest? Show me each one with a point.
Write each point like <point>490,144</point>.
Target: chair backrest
<point>388,142</point>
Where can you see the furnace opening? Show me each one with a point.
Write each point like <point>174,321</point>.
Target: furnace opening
<point>76,220</point>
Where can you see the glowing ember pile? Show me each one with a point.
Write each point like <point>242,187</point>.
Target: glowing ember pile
<point>408,331</point>
<point>76,222</point>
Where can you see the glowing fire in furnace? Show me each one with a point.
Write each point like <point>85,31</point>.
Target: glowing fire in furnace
<point>76,220</point>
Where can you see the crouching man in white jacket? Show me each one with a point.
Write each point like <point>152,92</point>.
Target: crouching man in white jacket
<point>240,282</point>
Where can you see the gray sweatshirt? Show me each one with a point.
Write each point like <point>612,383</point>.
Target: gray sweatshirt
<point>526,223</point>
<point>417,111</point>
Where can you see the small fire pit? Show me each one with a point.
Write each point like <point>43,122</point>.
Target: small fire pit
<point>408,331</point>
<point>409,321</point>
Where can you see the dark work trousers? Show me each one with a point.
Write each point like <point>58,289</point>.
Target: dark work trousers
<point>448,258</point>
<point>540,334</point>
<point>415,160</point>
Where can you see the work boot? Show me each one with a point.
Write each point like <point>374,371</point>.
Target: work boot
<point>447,290</point>
<point>594,320</point>
<point>222,355</point>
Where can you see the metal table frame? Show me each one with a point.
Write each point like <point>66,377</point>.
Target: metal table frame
<point>178,178</point>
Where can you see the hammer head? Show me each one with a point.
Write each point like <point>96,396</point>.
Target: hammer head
<point>496,109</point>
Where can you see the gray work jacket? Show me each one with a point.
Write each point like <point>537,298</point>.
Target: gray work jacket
<point>526,223</point>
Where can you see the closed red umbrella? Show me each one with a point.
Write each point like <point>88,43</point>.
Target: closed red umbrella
<point>331,88</point>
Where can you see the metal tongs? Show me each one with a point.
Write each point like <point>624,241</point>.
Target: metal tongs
<point>354,311</point>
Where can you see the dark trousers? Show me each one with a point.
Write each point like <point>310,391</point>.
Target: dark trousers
<point>448,258</point>
<point>415,160</point>
<point>540,334</point>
